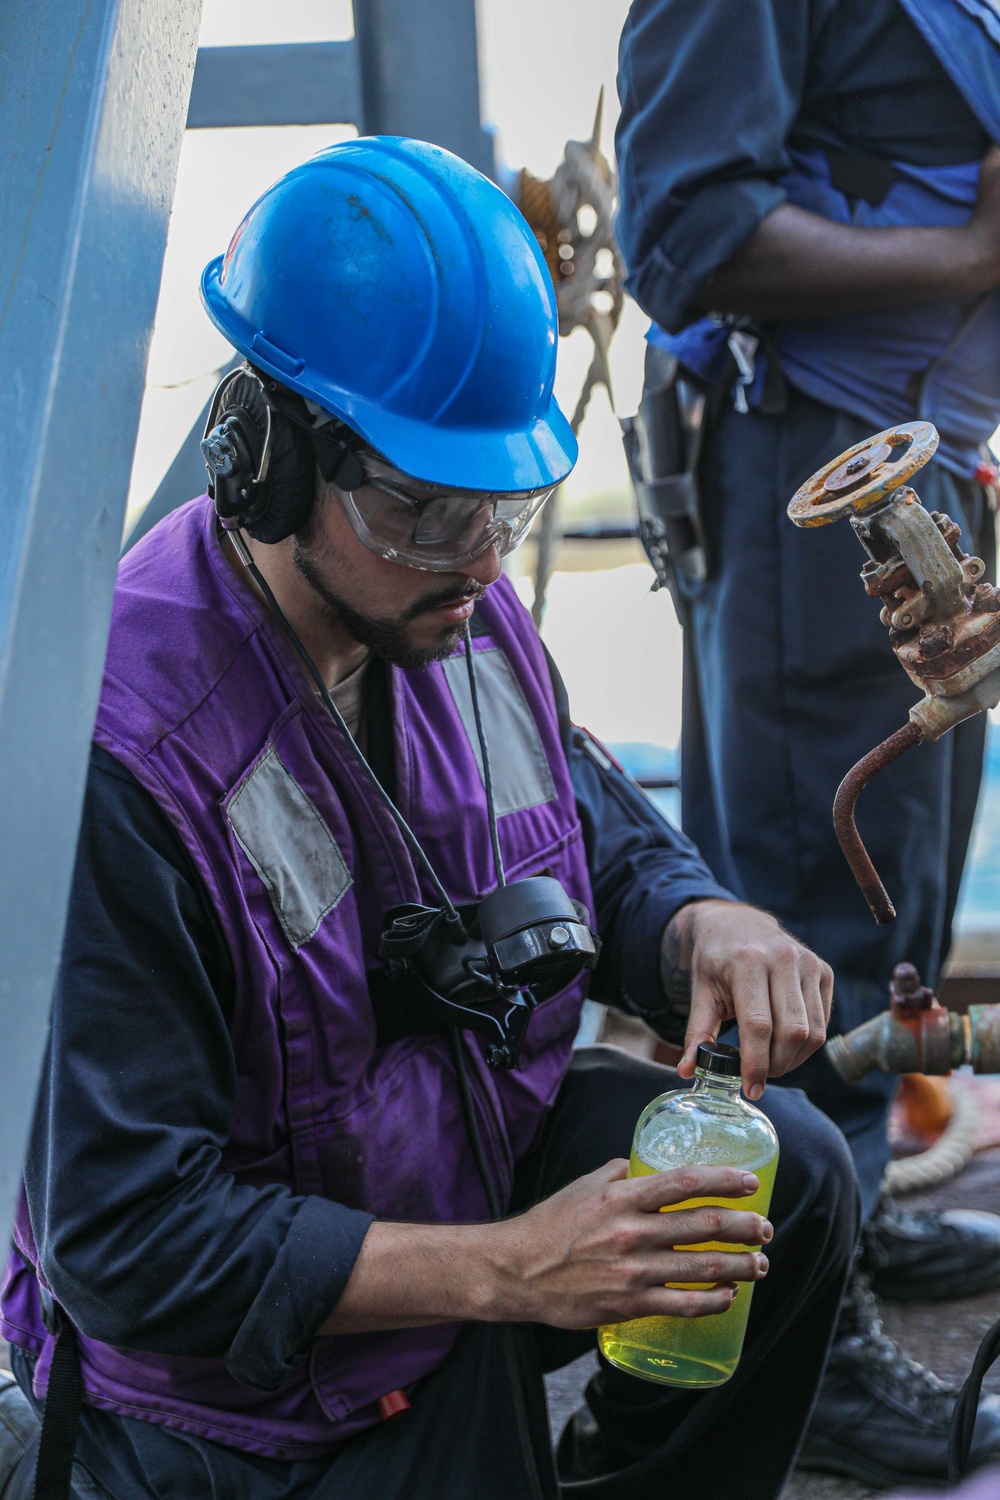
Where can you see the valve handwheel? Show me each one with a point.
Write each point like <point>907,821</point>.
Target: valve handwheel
<point>865,476</point>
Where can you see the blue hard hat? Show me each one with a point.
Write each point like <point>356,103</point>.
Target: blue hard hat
<point>402,291</point>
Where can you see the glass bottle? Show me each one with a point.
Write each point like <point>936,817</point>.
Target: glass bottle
<point>709,1124</point>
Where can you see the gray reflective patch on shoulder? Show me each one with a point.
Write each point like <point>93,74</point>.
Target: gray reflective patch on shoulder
<point>290,847</point>
<point>522,777</point>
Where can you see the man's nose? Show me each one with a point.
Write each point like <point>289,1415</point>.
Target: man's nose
<point>485,569</point>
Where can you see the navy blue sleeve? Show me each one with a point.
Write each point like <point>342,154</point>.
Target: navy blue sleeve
<point>145,1240</point>
<point>642,870</point>
<point>709,92</point>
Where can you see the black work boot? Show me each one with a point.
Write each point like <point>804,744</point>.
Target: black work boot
<point>881,1417</point>
<point>926,1255</point>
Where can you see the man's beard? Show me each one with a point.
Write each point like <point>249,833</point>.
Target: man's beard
<point>387,638</point>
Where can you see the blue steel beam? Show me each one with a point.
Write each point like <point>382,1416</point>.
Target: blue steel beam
<point>93,95</point>
<point>410,70</point>
<point>307,83</point>
<point>420,74</point>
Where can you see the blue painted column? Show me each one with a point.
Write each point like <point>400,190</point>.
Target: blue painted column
<point>420,74</point>
<point>93,97</point>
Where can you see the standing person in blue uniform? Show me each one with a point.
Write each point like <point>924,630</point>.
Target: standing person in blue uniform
<point>810,214</point>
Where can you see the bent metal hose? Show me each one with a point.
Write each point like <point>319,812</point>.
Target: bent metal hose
<point>843,817</point>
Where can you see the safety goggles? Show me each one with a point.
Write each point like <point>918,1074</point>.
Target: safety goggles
<point>428,527</point>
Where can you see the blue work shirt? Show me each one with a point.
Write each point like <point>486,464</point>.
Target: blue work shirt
<point>140,1231</point>
<point>713,95</point>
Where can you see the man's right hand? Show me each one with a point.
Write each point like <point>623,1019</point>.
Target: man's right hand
<point>600,1250</point>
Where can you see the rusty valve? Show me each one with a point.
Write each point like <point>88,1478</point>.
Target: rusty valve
<point>917,1035</point>
<point>943,619</point>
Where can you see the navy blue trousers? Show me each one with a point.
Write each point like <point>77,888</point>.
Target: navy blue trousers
<point>788,680</point>
<point>460,1438</point>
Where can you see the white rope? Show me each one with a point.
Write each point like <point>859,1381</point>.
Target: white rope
<point>945,1159</point>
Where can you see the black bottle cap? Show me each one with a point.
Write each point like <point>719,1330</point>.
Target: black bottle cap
<point>717,1057</point>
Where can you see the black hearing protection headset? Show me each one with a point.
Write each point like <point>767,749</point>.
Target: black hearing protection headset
<point>262,450</point>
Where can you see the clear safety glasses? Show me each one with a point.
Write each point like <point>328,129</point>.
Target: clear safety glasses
<point>426,526</point>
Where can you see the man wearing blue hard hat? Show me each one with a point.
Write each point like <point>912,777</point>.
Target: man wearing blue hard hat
<point>318,1186</point>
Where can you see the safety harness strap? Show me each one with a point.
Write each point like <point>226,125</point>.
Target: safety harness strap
<point>54,1467</point>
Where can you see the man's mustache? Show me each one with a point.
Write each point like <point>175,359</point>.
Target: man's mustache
<point>435,598</point>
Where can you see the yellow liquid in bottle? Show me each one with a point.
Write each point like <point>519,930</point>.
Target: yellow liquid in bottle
<point>697,1351</point>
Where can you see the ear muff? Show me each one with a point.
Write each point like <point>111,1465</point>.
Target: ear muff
<point>261,465</point>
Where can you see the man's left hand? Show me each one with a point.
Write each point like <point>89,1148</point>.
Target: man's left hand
<point>741,964</point>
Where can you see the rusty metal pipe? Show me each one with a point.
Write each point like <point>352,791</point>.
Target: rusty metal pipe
<point>843,817</point>
<point>932,1042</point>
